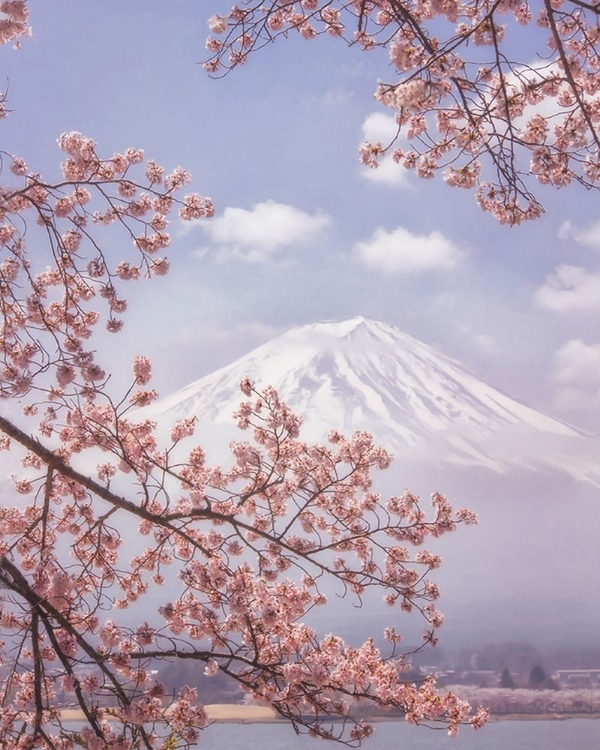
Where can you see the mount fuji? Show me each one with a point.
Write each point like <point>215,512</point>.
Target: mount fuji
<point>418,403</point>
<point>532,480</point>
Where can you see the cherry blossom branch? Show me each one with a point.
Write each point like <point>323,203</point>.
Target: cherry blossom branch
<point>435,50</point>
<point>254,543</point>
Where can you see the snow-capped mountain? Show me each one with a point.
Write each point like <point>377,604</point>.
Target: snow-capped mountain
<point>524,572</point>
<point>361,374</point>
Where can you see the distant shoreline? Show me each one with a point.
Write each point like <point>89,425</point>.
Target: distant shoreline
<point>222,712</point>
<point>542,717</point>
<point>235,713</point>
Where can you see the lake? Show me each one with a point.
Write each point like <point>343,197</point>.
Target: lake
<point>572,734</point>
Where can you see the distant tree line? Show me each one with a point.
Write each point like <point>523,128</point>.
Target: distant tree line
<point>501,700</point>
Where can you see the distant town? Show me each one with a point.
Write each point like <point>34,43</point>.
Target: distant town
<point>508,678</point>
<point>512,679</point>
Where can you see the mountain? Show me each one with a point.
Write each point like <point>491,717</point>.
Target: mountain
<point>420,404</point>
<point>524,572</point>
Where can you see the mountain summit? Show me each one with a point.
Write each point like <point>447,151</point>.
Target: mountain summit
<point>361,374</point>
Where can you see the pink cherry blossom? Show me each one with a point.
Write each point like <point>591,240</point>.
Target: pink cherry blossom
<point>485,124</point>
<point>241,550</point>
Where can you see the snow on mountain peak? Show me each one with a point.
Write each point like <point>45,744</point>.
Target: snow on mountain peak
<point>361,374</point>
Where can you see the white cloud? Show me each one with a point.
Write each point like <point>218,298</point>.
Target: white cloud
<point>570,289</point>
<point>486,342</point>
<point>332,98</point>
<point>579,404</point>
<point>381,128</point>
<point>578,363</point>
<point>200,252</point>
<point>255,235</point>
<point>402,252</point>
<point>587,237</point>
<point>577,372</point>
<point>387,173</point>
<point>564,231</point>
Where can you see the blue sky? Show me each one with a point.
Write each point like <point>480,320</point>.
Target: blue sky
<point>302,232</point>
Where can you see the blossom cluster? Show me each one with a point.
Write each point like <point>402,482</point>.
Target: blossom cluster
<point>468,112</point>
<point>247,549</point>
<point>46,316</point>
<point>46,303</point>
<point>14,21</point>
<point>253,544</point>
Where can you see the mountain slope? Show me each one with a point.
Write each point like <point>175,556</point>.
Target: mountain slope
<point>365,375</point>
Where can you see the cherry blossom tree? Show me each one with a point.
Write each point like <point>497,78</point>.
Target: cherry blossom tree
<point>237,557</point>
<point>492,94</point>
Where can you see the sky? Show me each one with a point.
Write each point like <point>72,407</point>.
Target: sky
<point>302,232</point>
